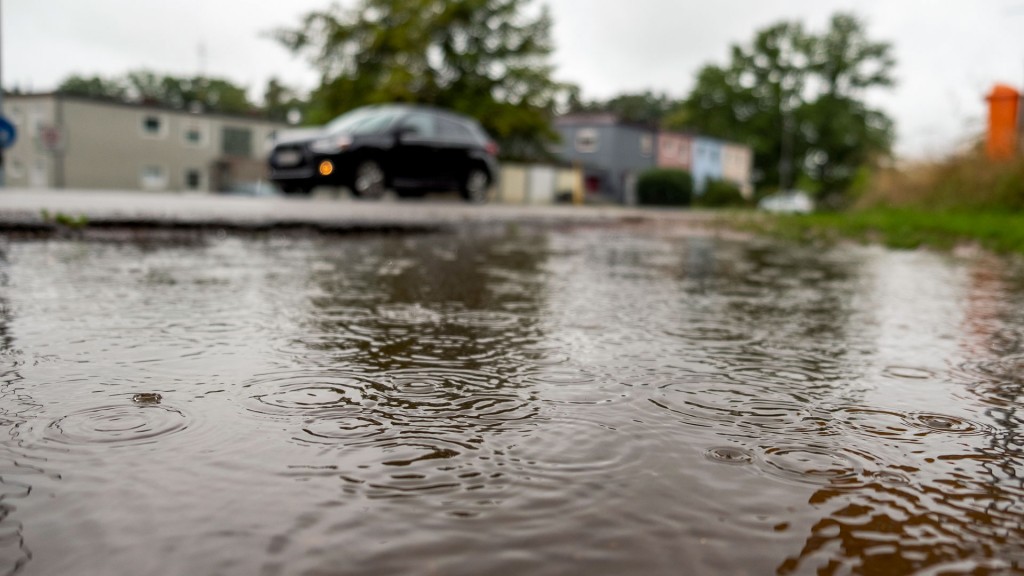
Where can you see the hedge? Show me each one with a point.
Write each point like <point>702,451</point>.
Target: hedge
<point>664,187</point>
<point>720,194</point>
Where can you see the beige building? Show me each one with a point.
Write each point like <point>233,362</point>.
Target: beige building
<point>674,151</point>
<point>75,142</point>
<point>737,163</point>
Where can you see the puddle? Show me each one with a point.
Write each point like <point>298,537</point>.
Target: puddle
<point>581,401</point>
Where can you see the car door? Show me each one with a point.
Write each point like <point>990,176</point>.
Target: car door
<point>413,156</point>
<point>455,140</point>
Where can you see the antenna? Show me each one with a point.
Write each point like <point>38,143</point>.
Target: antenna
<point>201,53</point>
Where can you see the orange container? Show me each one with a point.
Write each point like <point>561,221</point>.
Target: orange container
<point>1003,106</point>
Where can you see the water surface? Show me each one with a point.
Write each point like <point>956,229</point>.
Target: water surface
<point>508,401</point>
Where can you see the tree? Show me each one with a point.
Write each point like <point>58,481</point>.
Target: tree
<point>484,58</point>
<point>212,94</point>
<point>93,87</point>
<point>641,107</point>
<point>279,101</point>
<point>756,99</point>
<point>219,95</point>
<point>146,86</point>
<point>843,133</point>
<point>798,100</point>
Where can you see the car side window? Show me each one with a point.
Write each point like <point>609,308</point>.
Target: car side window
<point>454,131</point>
<point>423,125</point>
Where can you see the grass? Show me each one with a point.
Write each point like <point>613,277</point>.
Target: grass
<point>904,228</point>
<point>967,183</point>
<point>66,220</point>
<point>960,200</point>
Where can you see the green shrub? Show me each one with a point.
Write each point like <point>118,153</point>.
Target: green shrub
<point>720,194</point>
<point>664,187</point>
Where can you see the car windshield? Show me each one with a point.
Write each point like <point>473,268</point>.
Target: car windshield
<point>364,121</point>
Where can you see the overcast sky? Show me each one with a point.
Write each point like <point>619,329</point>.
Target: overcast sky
<point>949,52</point>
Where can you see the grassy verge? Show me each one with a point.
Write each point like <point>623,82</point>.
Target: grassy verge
<point>963,199</point>
<point>897,228</point>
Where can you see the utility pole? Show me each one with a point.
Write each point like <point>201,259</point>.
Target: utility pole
<point>201,53</point>
<point>786,154</point>
<point>2,169</point>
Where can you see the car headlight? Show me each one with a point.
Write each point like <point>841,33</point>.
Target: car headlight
<point>330,144</point>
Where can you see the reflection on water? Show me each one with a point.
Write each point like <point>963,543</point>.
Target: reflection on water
<point>508,401</point>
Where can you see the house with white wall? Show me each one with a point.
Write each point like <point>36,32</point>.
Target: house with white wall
<point>67,141</point>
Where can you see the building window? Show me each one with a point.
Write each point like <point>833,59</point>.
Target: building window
<point>586,140</point>
<point>153,177</point>
<point>194,135</point>
<point>193,179</point>
<point>646,145</point>
<point>236,142</point>
<point>154,125</point>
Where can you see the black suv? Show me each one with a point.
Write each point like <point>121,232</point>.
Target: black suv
<point>410,149</point>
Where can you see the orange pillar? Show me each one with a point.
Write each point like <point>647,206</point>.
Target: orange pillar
<point>1003,105</point>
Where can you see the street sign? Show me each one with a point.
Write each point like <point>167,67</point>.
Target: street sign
<point>8,134</point>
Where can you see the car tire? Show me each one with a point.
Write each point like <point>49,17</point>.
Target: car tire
<point>475,185</point>
<point>368,180</point>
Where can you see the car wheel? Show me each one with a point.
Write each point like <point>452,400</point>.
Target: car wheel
<point>475,186</point>
<point>368,180</point>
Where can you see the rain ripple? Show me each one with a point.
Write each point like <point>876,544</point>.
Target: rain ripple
<point>296,393</point>
<point>120,424</point>
<point>812,464</point>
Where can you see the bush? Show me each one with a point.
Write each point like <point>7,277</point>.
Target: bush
<point>720,194</point>
<point>968,182</point>
<point>664,187</point>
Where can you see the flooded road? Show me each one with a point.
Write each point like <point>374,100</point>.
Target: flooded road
<point>508,401</point>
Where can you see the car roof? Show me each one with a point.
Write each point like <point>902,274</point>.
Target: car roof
<point>408,107</point>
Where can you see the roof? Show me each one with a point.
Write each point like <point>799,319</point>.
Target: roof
<point>254,117</point>
<point>575,118</point>
<point>601,119</point>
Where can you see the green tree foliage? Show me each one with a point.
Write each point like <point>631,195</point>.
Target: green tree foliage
<point>798,99</point>
<point>641,107</point>
<point>842,131</point>
<point>720,194</point>
<point>485,58</point>
<point>94,87</point>
<point>211,94</point>
<point>279,101</point>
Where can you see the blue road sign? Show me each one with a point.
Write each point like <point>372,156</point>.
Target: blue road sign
<point>8,134</point>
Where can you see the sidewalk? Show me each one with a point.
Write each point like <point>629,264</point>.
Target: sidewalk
<point>37,210</point>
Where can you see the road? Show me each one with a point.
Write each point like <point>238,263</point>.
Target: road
<point>22,209</point>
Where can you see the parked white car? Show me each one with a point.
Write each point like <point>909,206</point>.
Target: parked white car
<point>788,202</point>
